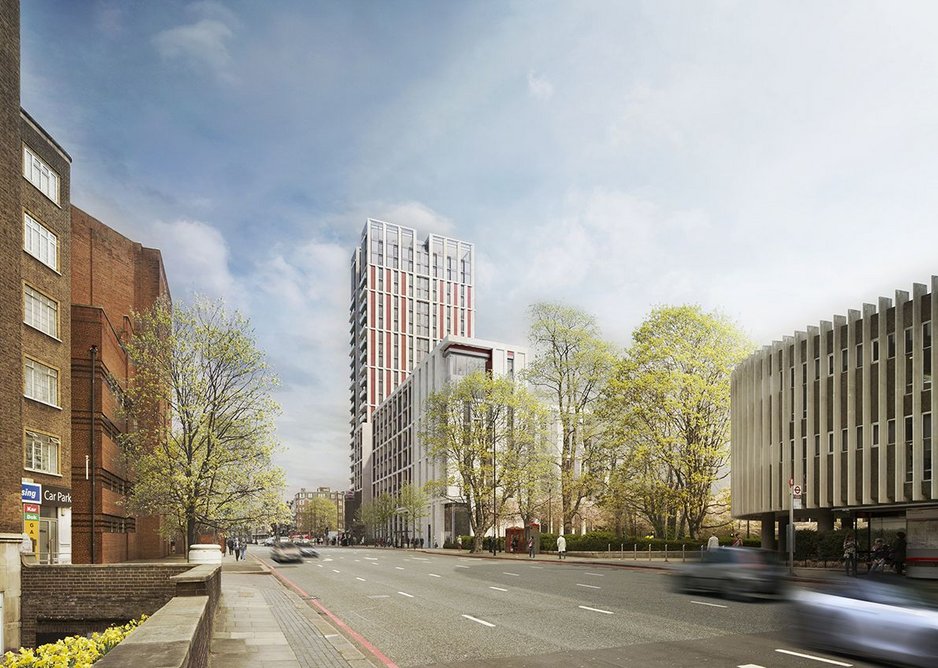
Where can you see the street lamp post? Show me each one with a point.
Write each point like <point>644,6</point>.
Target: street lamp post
<point>494,499</point>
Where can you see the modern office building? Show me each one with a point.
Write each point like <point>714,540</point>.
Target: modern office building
<point>400,455</point>
<point>112,277</point>
<point>337,498</point>
<point>406,295</point>
<point>845,412</point>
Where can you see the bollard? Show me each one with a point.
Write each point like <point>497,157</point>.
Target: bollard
<point>665,553</point>
<point>649,551</point>
<point>621,551</point>
<point>608,548</point>
<point>683,556</point>
<point>634,551</point>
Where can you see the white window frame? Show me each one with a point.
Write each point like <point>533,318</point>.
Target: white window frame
<point>49,449</point>
<point>40,174</point>
<point>40,242</point>
<point>40,382</point>
<point>40,311</point>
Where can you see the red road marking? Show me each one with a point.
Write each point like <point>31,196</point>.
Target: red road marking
<point>338,622</point>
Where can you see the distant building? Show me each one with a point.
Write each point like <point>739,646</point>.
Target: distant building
<point>406,295</point>
<point>400,454</point>
<point>304,496</point>
<point>844,411</point>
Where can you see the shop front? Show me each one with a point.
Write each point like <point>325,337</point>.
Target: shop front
<point>47,521</point>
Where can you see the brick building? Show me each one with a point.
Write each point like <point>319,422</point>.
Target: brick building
<point>112,277</point>
<point>337,498</point>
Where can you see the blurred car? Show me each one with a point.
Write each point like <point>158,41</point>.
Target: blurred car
<point>285,551</point>
<point>307,549</point>
<point>734,572</point>
<point>270,540</point>
<point>876,617</point>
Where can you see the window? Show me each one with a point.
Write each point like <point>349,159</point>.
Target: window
<point>830,442</point>
<point>40,312</point>
<point>42,382</point>
<point>891,432</point>
<point>909,454</point>
<point>843,359</point>
<point>908,342</point>
<point>859,437</point>
<point>875,350</point>
<point>42,452</point>
<point>817,445</point>
<point>40,242</point>
<point>830,364</point>
<point>859,355</point>
<point>926,443</point>
<point>843,440</point>
<point>817,367</point>
<point>926,355</point>
<point>40,174</point>
<point>926,335</point>
<point>891,345</point>
<point>875,434</point>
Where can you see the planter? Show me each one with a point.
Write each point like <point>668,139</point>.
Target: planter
<point>205,553</point>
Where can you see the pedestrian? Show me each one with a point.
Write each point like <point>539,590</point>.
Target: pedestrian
<point>898,552</point>
<point>243,550</point>
<point>230,545</point>
<point>713,542</point>
<point>737,541</point>
<point>531,547</point>
<point>879,555</point>
<point>561,547</point>
<point>236,548</point>
<point>514,544</point>
<point>850,554</point>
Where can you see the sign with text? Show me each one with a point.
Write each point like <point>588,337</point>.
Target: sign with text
<point>31,529</point>
<point>31,516</point>
<point>32,492</point>
<point>30,507</point>
<point>57,496</point>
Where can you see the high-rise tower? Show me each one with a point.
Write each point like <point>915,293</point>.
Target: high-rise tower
<point>406,295</point>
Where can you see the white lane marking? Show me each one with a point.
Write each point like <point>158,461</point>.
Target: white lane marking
<point>375,563</point>
<point>371,558</point>
<point>498,588</point>
<point>480,621</point>
<point>328,559</point>
<point>595,575</point>
<point>320,565</point>
<point>399,568</point>
<point>590,586</point>
<point>335,571</point>
<point>420,559</point>
<point>362,579</point>
<point>712,605</point>
<point>513,574</point>
<point>540,568</point>
<point>380,596</point>
<point>460,566</point>
<point>814,658</point>
<point>357,560</point>
<point>434,575</point>
<point>750,665</point>
<point>405,594</point>
<point>605,612</point>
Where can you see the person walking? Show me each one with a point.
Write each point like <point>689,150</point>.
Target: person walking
<point>850,554</point>
<point>561,547</point>
<point>236,547</point>
<point>531,547</point>
<point>737,541</point>
<point>243,549</point>
<point>898,552</point>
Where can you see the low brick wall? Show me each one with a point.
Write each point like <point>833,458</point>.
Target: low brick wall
<point>70,599</point>
<point>204,580</point>
<point>178,635</point>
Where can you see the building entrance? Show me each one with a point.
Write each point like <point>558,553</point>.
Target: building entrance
<point>47,549</point>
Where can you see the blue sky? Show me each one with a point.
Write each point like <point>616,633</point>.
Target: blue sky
<point>775,161</point>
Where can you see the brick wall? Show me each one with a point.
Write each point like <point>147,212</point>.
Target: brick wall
<point>11,248</point>
<point>83,598</point>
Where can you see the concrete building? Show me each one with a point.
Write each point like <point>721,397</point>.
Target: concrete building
<point>304,496</point>
<point>845,411</point>
<point>112,277</point>
<point>406,295</point>
<point>400,454</point>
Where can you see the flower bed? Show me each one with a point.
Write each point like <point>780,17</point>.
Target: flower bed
<point>71,652</point>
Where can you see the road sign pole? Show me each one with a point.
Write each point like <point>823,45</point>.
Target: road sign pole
<point>791,531</point>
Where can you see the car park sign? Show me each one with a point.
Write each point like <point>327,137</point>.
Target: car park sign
<point>32,492</point>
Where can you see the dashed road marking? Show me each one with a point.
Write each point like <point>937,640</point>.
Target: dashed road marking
<point>595,575</point>
<point>540,568</point>
<point>498,588</point>
<point>480,621</point>
<point>712,605</point>
<point>380,596</point>
<point>335,571</point>
<point>399,568</point>
<point>605,612</point>
<point>512,574</point>
<point>362,579</point>
<point>460,566</point>
<point>750,665</point>
<point>814,658</point>
<point>371,558</point>
<point>434,575</point>
<point>402,593</point>
<point>590,586</point>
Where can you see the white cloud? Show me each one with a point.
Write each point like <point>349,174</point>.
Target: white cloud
<point>196,258</point>
<point>202,44</point>
<point>540,86</point>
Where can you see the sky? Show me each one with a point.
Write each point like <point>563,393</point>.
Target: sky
<point>774,161</point>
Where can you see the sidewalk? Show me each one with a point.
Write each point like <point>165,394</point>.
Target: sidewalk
<point>262,624</point>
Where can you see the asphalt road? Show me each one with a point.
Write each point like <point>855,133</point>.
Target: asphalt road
<point>426,609</point>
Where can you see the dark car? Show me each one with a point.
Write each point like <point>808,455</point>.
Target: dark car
<point>734,572</point>
<point>285,551</point>
<point>877,617</point>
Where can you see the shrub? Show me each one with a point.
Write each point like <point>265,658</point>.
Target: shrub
<point>71,652</point>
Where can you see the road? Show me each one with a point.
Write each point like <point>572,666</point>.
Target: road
<point>423,609</point>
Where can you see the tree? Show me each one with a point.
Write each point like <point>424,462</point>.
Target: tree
<point>317,516</point>
<point>536,472</point>
<point>478,426</point>
<point>412,501</point>
<point>671,393</point>
<point>376,514</point>
<point>572,365</point>
<point>203,421</point>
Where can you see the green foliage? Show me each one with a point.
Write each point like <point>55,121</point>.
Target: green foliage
<point>203,437</point>
<point>317,516</point>
<point>70,652</point>
<point>571,366</point>
<point>667,409</point>
<point>482,427</point>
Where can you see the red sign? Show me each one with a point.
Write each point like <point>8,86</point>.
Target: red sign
<point>30,508</point>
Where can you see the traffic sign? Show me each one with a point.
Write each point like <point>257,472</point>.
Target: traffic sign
<point>796,490</point>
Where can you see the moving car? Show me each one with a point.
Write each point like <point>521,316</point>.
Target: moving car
<point>307,549</point>
<point>285,551</point>
<point>734,572</point>
<point>876,617</point>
